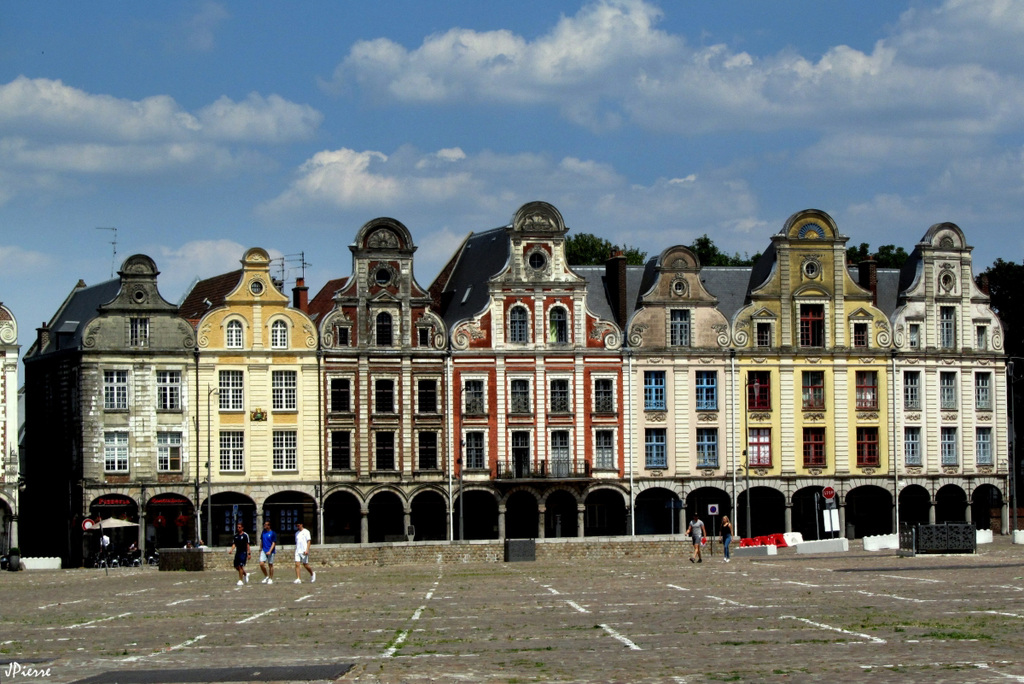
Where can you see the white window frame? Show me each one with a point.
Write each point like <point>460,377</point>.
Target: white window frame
<point>168,390</point>
<point>284,389</point>
<point>604,454</point>
<point>231,395</point>
<point>232,451</point>
<point>278,335</point>
<point>168,451</point>
<point>983,446</point>
<point>138,332</point>
<point>115,390</point>
<point>912,454</point>
<point>115,451</point>
<point>948,446</point>
<point>285,451</point>
<point>234,334</point>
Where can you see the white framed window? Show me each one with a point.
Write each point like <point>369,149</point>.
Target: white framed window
<point>115,451</point>
<point>558,326</point>
<point>168,390</point>
<point>285,450</point>
<point>560,453</point>
<point>947,391</point>
<point>520,395</point>
<point>981,337</point>
<point>474,450</point>
<point>912,390</point>
<point>914,335</point>
<point>604,395</point>
<point>983,446</point>
<point>168,452</point>
<point>233,335</point>
<point>115,390</point>
<point>763,334</point>
<point>138,332</point>
<point>232,451</point>
<point>912,446</point>
<point>231,395</point>
<point>947,327</point>
<point>983,391</point>
<point>518,325</point>
<point>560,396</point>
<point>604,449</point>
<point>279,335</point>
<point>679,328</point>
<point>283,388</point>
<point>473,398</point>
<point>948,447</point>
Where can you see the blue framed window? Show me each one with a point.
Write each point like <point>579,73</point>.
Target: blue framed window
<point>707,447</point>
<point>707,390</point>
<point>655,452</point>
<point>654,390</point>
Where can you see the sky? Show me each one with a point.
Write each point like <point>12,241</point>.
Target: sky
<point>199,129</point>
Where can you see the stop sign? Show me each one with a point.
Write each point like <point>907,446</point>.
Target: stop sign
<point>828,493</point>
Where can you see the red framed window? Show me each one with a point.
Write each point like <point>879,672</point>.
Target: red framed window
<point>814,447</point>
<point>867,447</point>
<point>812,325</point>
<point>759,390</point>
<point>814,389</point>
<point>867,389</point>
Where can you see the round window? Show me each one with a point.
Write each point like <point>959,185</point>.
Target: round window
<point>947,281</point>
<point>256,287</point>
<point>537,261</point>
<point>383,276</point>
<point>812,269</point>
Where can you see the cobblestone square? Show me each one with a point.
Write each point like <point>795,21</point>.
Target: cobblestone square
<point>785,618</point>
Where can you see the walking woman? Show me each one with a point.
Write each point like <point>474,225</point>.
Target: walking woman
<point>726,535</point>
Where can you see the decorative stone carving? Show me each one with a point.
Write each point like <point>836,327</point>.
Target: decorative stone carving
<point>707,417</point>
<point>868,415</point>
<point>759,417</point>
<point>382,238</point>
<point>656,417</point>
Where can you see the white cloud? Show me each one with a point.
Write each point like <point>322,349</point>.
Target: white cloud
<point>16,260</point>
<point>272,120</point>
<point>200,28</point>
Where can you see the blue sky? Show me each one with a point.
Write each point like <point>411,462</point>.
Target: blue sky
<point>199,129</point>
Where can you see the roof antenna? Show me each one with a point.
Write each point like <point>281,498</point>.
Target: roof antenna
<point>113,258</point>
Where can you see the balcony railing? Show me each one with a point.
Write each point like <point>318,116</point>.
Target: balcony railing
<point>551,470</point>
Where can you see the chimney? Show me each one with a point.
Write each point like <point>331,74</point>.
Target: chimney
<point>42,336</point>
<point>615,279</point>
<point>300,295</point>
<point>867,277</point>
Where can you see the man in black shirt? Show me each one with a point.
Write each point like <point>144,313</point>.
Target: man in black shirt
<point>240,547</point>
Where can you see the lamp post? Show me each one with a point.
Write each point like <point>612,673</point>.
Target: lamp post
<point>746,477</point>
<point>210,391</point>
<point>462,499</point>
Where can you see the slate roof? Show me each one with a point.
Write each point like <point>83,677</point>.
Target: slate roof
<point>323,302</point>
<point>207,294</point>
<point>465,293</point>
<point>729,285</point>
<point>80,307</point>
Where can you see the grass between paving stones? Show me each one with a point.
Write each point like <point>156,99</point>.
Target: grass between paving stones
<point>952,628</point>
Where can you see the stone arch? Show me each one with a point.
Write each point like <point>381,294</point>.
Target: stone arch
<point>342,513</point>
<point>915,504</point>
<point>428,515</point>
<point>699,498</point>
<point>522,507</point>
<point>987,507</point>
<point>658,510</point>
<point>561,508</point>
<point>767,503</point>
<point>178,513</point>
<point>869,510</point>
<point>386,515</point>
<point>606,511</point>
<point>950,503</point>
<point>480,519</point>
<point>806,507</point>
<point>285,509</point>
<point>224,515</point>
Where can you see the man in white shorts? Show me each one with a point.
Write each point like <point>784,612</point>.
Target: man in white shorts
<point>303,540</point>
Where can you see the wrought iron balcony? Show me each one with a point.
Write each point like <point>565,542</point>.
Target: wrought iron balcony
<point>550,470</point>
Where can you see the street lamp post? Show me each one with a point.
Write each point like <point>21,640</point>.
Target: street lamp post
<point>746,477</point>
<point>462,499</point>
<point>210,391</point>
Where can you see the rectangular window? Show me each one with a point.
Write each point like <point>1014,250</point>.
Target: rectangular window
<point>341,395</point>
<point>341,450</point>
<point>230,395</point>
<point>604,449</point>
<point>232,451</point>
<point>759,390</point>
<point>285,450</point>
<point>948,447</point>
<point>424,336</point>
<point>521,453</point>
<point>707,447</point>
<point>983,446</point>
<point>981,337</point>
<point>947,327</point>
<point>341,336</point>
<point>168,452</point>
<point>475,450</point>
<point>655,453</point>
<point>426,396</point>
<point>115,390</point>
<point>560,396</point>
<point>604,395</point>
<point>914,335</point>
<point>385,450</point>
<point>813,390</point>
<point>115,452</point>
<point>947,391</point>
<point>867,390</point>
<point>654,390</point>
<point>814,447</point>
<point>168,390</point>
<point>912,446</point>
<point>283,384</point>
<point>384,396</point>
<point>912,390</point>
<point>428,451</point>
<point>860,334</point>
<point>867,447</point>
<point>764,334</point>
<point>707,390</point>
<point>759,447</point>
<point>679,333</point>
<point>520,396</point>
<point>474,397</point>
<point>812,325</point>
<point>138,332</point>
<point>983,391</point>
<point>560,453</point>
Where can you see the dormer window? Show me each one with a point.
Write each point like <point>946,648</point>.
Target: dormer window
<point>384,337</point>
<point>518,325</point>
<point>812,325</point>
<point>279,335</point>
<point>138,332</point>
<point>233,335</point>
<point>537,261</point>
<point>559,326</point>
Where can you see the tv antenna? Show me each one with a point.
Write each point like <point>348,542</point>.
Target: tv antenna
<point>113,257</point>
<point>294,261</point>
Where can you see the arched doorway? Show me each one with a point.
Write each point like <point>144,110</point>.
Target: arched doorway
<point>868,512</point>
<point>429,516</point>
<point>480,519</point>
<point>169,521</point>
<point>658,511</point>
<point>915,505</point>
<point>987,508</point>
<point>950,504</point>
<point>699,500</point>
<point>807,517</point>
<point>521,515</point>
<point>342,518</point>
<point>285,509</point>
<point>560,515</point>
<point>605,514</point>
<point>386,519</point>
<point>6,527</point>
<point>227,509</point>
<point>767,512</point>
<point>121,508</point>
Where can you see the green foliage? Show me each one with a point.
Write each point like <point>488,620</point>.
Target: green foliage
<point>585,249</point>
<point>887,256</point>
<point>1004,279</point>
<point>709,254</point>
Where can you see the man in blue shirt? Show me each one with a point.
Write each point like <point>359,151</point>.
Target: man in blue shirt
<point>268,547</point>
